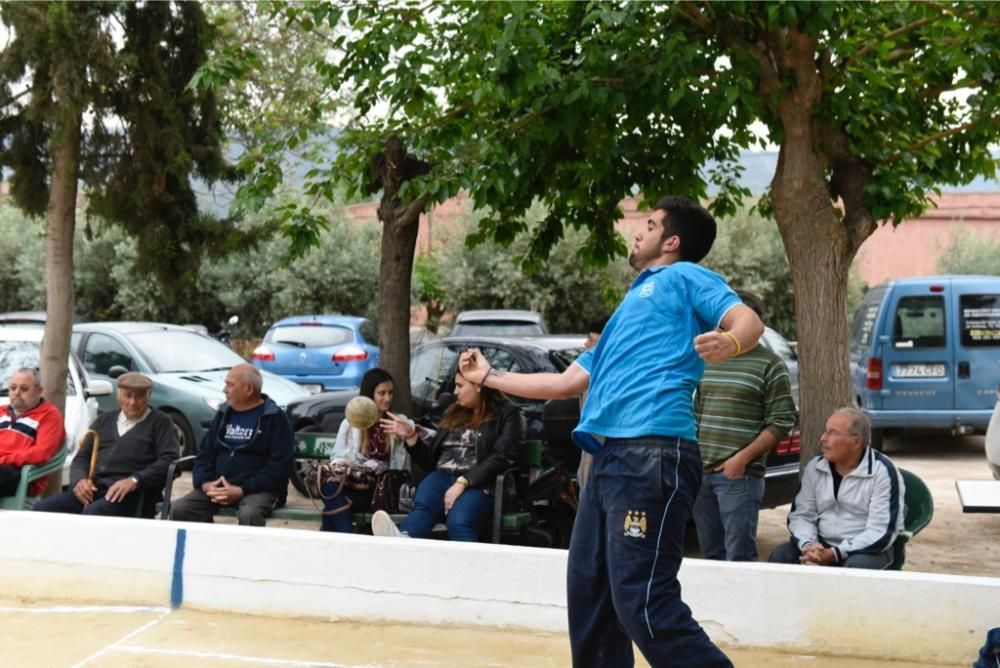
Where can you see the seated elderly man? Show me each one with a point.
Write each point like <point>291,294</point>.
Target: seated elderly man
<point>136,445</point>
<point>31,431</point>
<point>849,507</point>
<point>245,457</point>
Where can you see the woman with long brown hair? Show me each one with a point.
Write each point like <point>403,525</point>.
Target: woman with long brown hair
<point>371,450</point>
<point>477,438</point>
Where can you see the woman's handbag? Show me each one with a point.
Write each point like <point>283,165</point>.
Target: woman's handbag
<point>317,474</point>
<point>386,494</point>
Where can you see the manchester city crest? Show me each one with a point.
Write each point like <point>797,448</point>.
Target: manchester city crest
<point>635,524</point>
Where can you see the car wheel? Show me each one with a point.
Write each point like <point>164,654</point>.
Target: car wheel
<point>185,436</point>
<point>299,465</point>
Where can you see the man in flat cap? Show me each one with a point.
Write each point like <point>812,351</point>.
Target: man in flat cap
<point>135,446</point>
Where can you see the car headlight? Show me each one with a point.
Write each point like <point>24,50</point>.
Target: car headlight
<point>212,403</point>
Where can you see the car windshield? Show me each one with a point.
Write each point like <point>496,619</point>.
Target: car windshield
<point>176,350</point>
<point>497,328</point>
<point>16,355</point>
<point>311,336</point>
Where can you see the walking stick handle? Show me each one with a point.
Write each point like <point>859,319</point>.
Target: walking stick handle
<point>93,453</point>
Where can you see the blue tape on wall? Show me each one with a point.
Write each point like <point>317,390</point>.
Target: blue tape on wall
<point>177,585</point>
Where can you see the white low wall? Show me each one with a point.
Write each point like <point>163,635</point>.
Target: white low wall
<point>286,572</point>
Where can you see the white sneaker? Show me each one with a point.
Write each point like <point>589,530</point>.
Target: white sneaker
<point>382,525</point>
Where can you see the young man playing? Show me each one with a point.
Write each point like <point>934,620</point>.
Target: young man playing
<point>638,422</point>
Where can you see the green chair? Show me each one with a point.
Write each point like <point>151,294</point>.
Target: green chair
<point>30,473</point>
<point>529,459</point>
<point>919,511</point>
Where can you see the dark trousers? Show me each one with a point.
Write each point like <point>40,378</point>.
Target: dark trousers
<point>66,502</point>
<point>360,502</point>
<point>626,549</point>
<point>789,553</point>
<point>10,478</point>
<point>195,506</point>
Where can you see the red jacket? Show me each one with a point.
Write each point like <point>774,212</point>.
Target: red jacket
<point>32,438</point>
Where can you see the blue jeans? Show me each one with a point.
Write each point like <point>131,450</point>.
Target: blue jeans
<point>725,515</point>
<point>466,517</point>
<point>624,555</point>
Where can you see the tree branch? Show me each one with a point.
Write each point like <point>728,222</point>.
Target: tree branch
<point>937,137</point>
<point>15,98</point>
<point>689,11</point>
<point>892,34</point>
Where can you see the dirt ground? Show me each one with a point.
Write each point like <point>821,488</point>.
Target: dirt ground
<point>954,542</point>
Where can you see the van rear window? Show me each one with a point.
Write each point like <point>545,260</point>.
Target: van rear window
<point>919,323</point>
<point>980,320</point>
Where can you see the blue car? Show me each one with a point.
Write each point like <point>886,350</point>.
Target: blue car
<point>320,352</point>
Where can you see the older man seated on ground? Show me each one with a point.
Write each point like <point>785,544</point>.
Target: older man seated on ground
<point>245,457</point>
<point>31,431</point>
<point>849,507</point>
<point>135,448</point>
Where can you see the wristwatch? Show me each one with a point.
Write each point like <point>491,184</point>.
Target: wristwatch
<point>463,481</point>
<point>135,480</point>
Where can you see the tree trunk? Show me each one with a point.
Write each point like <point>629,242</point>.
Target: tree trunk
<point>400,225</point>
<point>399,240</point>
<point>60,223</point>
<point>819,248</point>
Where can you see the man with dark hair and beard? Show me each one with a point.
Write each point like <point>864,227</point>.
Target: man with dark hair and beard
<point>638,422</point>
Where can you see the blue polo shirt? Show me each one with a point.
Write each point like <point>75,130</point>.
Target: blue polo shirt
<point>644,369</point>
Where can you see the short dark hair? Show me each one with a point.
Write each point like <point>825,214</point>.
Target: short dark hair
<point>372,379</point>
<point>692,223</point>
<point>755,303</point>
<point>597,326</point>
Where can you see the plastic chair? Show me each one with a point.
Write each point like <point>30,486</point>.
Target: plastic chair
<point>919,511</point>
<point>30,473</point>
<point>529,460</point>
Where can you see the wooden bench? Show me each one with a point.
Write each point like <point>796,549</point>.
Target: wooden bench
<point>313,446</point>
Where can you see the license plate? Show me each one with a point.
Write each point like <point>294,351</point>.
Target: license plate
<point>312,388</point>
<point>918,371</point>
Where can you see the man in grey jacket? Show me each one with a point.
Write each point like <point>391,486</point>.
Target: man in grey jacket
<point>136,445</point>
<point>849,507</point>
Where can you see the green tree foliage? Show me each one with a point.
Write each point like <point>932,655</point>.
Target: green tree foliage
<point>147,133</point>
<point>580,104</point>
<point>22,255</point>
<point>96,93</point>
<point>970,253</point>
<point>567,292</point>
<point>749,254</point>
<point>340,275</point>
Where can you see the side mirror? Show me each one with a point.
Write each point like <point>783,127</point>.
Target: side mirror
<point>116,371</point>
<point>99,388</point>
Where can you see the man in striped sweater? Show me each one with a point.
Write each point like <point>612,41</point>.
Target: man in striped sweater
<point>31,431</point>
<point>744,407</point>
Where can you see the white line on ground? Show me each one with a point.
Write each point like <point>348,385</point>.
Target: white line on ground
<point>85,609</point>
<point>234,657</point>
<point>114,645</point>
